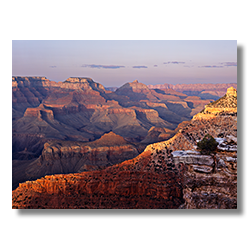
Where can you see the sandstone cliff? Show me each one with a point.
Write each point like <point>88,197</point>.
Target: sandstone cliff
<point>147,181</point>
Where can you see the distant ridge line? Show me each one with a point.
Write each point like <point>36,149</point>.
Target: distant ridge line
<point>179,86</point>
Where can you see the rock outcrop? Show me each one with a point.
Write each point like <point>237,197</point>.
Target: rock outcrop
<point>156,134</point>
<point>71,83</point>
<point>147,181</point>
<point>30,81</point>
<point>205,91</point>
<point>40,112</point>
<point>73,157</point>
<point>210,181</point>
<point>194,87</point>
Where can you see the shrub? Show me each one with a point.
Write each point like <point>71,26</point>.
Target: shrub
<point>207,145</point>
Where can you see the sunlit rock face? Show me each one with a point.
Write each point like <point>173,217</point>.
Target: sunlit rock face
<point>231,92</point>
<point>146,182</point>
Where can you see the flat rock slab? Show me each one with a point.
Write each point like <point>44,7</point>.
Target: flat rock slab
<point>188,158</point>
<point>228,148</point>
<point>186,152</point>
<point>231,159</point>
<point>203,169</point>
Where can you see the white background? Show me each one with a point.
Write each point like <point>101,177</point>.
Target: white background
<point>70,20</point>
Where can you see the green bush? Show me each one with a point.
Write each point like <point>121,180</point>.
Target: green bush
<point>207,145</point>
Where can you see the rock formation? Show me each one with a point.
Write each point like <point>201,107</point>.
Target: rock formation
<point>71,157</point>
<point>81,109</point>
<point>205,91</point>
<point>170,174</point>
<point>213,183</point>
<point>143,182</point>
<point>40,112</point>
<point>156,134</point>
<point>209,181</point>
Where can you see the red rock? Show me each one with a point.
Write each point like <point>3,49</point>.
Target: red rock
<point>136,183</point>
<point>73,157</point>
<point>39,112</point>
<point>152,179</point>
<point>156,134</point>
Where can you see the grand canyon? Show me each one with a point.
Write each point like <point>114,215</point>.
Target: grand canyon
<point>78,144</point>
<point>117,138</point>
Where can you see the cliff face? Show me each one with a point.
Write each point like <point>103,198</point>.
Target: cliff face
<point>39,112</point>
<point>156,134</point>
<point>59,156</point>
<point>72,157</point>
<point>205,91</point>
<point>218,119</point>
<point>70,83</point>
<point>208,181</point>
<point>35,81</point>
<point>144,182</point>
<point>195,87</point>
<point>211,181</point>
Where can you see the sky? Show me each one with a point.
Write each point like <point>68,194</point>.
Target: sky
<point>116,62</point>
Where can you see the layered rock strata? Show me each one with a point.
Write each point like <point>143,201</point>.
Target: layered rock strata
<point>148,181</point>
<point>81,110</point>
<point>198,87</point>
<point>72,157</point>
<point>171,174</point>
<point>209,182</point>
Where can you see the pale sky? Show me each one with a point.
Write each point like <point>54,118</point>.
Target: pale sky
<point>113,63</point>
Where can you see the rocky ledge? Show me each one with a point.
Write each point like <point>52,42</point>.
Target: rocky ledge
<point>145,182</point>
<point>227,105</point>
<point>209,181</point>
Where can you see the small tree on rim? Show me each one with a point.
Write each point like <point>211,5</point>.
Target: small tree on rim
<point>207,145</point>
